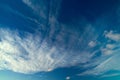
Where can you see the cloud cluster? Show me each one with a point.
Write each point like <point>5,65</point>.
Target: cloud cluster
<point>109,61</point>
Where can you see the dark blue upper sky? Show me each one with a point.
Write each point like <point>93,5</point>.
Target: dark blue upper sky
<point>88,9</point>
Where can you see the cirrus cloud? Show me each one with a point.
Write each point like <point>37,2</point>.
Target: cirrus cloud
<point>28,53</point>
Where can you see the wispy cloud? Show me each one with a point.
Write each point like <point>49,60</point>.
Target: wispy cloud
<point>26,54</point>
<point>29,53</point>
<point>92,44</point>
<point>39,9</point>
<point>112,35</point>
<point>110,56</point>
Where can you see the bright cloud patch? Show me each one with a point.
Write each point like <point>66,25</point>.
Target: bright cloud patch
<point>29,54</point>
<point>113,36</point>
<point>26,55</point>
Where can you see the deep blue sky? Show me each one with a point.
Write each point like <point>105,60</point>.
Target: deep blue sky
<point>90,9</point>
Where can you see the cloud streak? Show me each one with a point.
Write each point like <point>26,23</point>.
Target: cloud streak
<point>26,54</point>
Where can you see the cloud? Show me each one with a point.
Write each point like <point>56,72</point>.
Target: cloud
<point>107,65</point>
<point>25,55</point>
<point>43,8</point>
<point>28,53</point>
<point>39,9</point>
<point>109,60</point>
<point>92,44</point>
<point>110,75</point>
<point>112,35</point>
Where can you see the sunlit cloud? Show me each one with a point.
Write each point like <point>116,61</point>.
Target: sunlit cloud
<point>26,54</point>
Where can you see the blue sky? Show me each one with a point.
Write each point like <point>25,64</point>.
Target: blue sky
<point>59,40</point>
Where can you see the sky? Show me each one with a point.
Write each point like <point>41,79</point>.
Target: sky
<point>59,39</point>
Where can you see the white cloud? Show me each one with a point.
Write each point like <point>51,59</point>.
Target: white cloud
<point>26,54</point>
<point>110,56</point>
<point>111,75</point>
<point>106,51</point>
<point>29,3</point>
<point>92,44</point>
<point>110,46</point>
<point>68,78</point>
<point>113,36</point>
<point>44,9</point>
<point>109,64</point>
<point>39,8</point>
